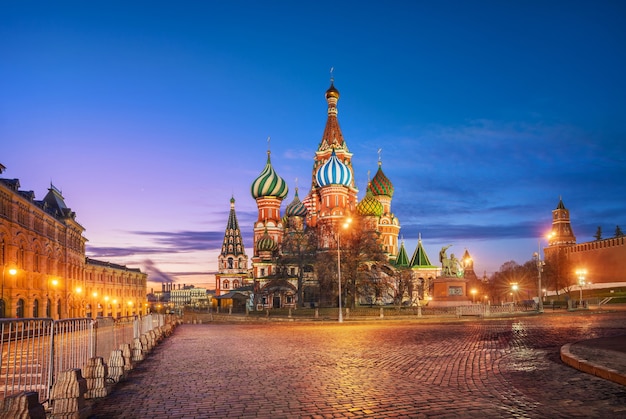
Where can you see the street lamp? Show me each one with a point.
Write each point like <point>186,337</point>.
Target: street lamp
<point>345,225</point>
<point>581,273</point>
<point>54,283</point>
<point>540,263</point>
<point>94,307</point>
<point>473,295</point>
<point>12,272</point>
<point>514,287</point>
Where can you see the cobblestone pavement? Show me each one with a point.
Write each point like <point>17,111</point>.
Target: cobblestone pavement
<point>493,368</point>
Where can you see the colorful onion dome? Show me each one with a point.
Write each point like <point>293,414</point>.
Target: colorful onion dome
<point>370,206</point>
<point>266,243</point>
<point>269,183</point>
<point>333,172</point>
<point>380,184</point>
<point>295,208</point>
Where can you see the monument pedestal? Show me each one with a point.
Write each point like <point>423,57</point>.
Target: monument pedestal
<point>449,292</point>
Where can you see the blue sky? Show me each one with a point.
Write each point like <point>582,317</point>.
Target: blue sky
<point>149,116</point>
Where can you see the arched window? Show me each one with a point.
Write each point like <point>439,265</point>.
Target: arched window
<point>19,312</point>
<point>36,308</point>
<point>230,263</point>
<point>2,309</point>
<point>225,285</point>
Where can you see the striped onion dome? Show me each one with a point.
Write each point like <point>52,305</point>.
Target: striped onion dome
<point>266,243</point>
<point>370,206</point>
<point>333,172</point>
<point>269,183</point>
<point>296,208</point>
<point>380,184</point>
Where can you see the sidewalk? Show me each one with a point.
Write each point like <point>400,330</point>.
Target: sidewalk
<point>603,357</point>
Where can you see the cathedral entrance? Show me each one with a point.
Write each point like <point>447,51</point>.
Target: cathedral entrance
<point>278,293</point>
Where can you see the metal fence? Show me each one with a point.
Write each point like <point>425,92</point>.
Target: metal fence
<point>35,350</point>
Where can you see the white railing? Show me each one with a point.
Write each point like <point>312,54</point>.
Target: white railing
<point>35,350</point>
<point>25,361</point>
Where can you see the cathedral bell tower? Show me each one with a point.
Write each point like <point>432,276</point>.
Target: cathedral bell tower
<point>232,261</point>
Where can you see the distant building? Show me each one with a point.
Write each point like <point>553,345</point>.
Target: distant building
<point>604,260</point>
<point>189,295</point>
<point>44,269</point>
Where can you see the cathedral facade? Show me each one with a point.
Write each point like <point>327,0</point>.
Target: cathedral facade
<point>331,201</point>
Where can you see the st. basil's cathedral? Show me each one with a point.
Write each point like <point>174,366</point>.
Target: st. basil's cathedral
<point>331,200</point>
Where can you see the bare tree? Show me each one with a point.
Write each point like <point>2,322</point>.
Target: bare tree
<point>360,246</point>
<point>373,282</point>
<point>403,286</point>
<point>557,271</point>
<point>326,274</point>
<point>298,250</point>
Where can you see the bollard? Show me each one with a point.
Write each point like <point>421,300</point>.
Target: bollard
<point>23,405</point>
<point>68,395</point>
<point>116,366</point>
<point>137,352</point>
<point>95,374</point>
<point>127,356</point>
<point>317,312</point>
<point>381,313</point>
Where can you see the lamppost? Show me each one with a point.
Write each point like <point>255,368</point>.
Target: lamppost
<point>473,295</point>
<point>345,225</point>
<point>514,287</point>
<point>54,283</point>
<point>581,273</point>
<point>12,272</point>
<point>540,263</point>
<point>94,307</point>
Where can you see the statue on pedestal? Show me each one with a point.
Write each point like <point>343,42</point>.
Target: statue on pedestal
<point>450,267</point>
